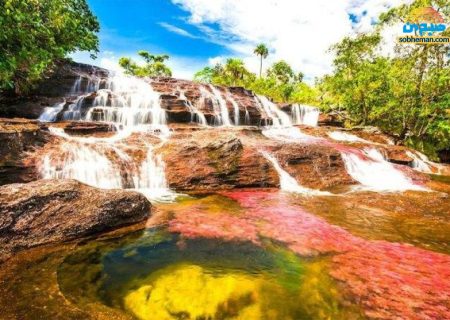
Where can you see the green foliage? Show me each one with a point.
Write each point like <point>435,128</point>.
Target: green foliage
<point>154,65</point>
<point>281,83</point>
<point>35,33</point>
<point>406,95</point>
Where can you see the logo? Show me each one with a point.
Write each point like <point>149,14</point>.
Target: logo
<point>425,26</point>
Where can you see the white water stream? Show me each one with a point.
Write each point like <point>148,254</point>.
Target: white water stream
<point>376,174</point>
<point>304,114</point>
<point>132,106</point>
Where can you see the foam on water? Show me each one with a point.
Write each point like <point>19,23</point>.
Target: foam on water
<point>376,174</point>
<point>343,136</point>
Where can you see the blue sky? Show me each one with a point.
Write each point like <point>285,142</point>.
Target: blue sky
<point>196,33</point>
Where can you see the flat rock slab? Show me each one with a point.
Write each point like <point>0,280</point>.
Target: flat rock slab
<point>52,211</point>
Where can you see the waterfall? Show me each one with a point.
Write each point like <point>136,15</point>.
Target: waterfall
<point>376,174</point>
<point>74,110</point>
<point>76,88</point>
<point>196,114</point>
<point>218,101</point>
<point>303,114</point>
<point>287,182</point>
<point>422,163</point>
<point>247,117</point>
<point>127,102</point>
<point>50,113</point>
<point>83,163</point>
<point>235,108</point>
<point>132,106</point>
<point>151,180</point>
<point>130,103</point>
<point>343,136</point>
<point>92,85</point>
<point>101,163</point>
<point>278,117</point>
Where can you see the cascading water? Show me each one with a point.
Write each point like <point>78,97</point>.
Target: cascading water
<point>151,179</point>
<point>50,113</point>
<point>306,115</point>
<point>423,164</point>
<point>369,168</point>
<point>235,108</point>
<point>196,114</point>
<point>129,103</point>
<point>287,182</point>
<point>281,127</point>
<point>223,118</point>
<point>278,117</point>
<point>74,110</point>
<point>83,163</point>
<point>132,106</point>
<point>343,136</point>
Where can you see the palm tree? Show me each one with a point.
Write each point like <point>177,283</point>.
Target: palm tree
<point>262,51</point>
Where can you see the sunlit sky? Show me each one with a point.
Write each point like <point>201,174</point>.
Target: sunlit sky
<point>196,33</point>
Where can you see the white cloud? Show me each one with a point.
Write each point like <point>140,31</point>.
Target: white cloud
<point>300,32</point>
<point>177,30</point>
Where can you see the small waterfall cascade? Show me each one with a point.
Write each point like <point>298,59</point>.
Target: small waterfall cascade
<point>50,113</point>
<point>287,182</point>
<point>247,117</point>
<point>282,128</point>
<point>278,117</point>
<point>101,163</point>
<point>235,108</point>
<point>132,106</point>
<point>92,85</point>
<point>151,179</point>
<point>127,102</point>
<point>74,110</point>
<point>196,114</point>
<point>304,114</point>
<point>422,163</point>
<point>219,103</point>
<point>83,163</point>
<point>369,168</point>
<point>344,136</point>
<point>130,103</point>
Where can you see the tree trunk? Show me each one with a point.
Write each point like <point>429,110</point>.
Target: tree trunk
<point>260,67</point>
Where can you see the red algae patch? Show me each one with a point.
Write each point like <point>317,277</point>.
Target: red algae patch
<point>389,280</point>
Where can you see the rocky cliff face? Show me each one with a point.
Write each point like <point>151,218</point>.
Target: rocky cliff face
<point>17,138</point>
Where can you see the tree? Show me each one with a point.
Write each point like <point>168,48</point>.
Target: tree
<point>406,94</point>
<point>36,33</point>
<point>261,51</point>
<point>154,65</point>
<point>282,72</point>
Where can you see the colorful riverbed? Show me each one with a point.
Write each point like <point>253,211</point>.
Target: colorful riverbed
<point>242,255</point>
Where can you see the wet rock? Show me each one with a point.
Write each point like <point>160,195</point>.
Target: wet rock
<point>210,159</point>
<point>17,137</point>
<point>51,211</point>
<point>313,166</point>
<point>330,119</point>
<point>87,128</point>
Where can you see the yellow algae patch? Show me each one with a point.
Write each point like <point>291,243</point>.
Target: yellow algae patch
<point>190,292</point>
